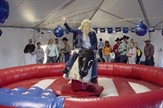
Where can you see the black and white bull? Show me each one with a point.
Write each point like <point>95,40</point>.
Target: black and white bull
<point>85,61</point>
<point>84,67</point>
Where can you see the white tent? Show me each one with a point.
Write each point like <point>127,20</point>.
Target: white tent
<point>26,16</point>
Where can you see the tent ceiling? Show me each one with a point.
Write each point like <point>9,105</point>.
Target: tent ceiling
<point>103,13</point>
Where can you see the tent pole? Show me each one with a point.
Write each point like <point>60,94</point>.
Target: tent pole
<point>145,15</point>
<point>96,10</point>
<point>116,16</point>
<point>55,12</point>
<point>158,24</point>
<point>144,12</point>
<point>73,16</point>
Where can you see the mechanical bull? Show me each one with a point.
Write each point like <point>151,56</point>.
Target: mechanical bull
<point>84,68</point>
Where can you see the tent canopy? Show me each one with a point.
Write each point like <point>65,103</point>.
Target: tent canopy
<point>103,13</point>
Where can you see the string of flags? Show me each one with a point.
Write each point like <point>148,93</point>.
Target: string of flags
<point>119,29</point>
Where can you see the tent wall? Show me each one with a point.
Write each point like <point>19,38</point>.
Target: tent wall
<point>12,43</point>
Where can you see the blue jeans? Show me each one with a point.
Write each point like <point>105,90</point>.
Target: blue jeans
<point>51,59</point>
<point>67,55</point>
<point>40,61</point>
<point>100,53</point>
<point>72,59</point>
<point>107,58</point>
<point>123,59</point>
<point>117,58</point>
<point>149,62</point>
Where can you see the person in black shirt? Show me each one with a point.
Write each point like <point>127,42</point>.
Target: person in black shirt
<point>30,47</point>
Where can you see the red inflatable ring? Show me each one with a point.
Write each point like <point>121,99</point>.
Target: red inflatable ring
<point>125,86</point>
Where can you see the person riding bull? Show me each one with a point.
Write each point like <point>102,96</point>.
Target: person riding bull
<point>87,41</point>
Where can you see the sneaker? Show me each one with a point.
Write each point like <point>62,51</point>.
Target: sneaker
<point>94,80</point>
<point>66,70</point>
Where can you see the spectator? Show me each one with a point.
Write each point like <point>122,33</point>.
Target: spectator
<point>115,50</point>
<point>139,53</point>
<point>75,40</point>
<point>100,46</point>
<point>66,49</point>
<point>30,47</point>
<point>106,50</point>
<point>123,49</point>
<point>131,40</point>
<point>39,53</point>
<point>28,50</point>
<point>59,46</point>
<point>149,52</point>
<point>132,54</point>
<point>52,52</point>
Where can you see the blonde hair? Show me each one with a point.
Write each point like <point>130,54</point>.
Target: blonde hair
<point>86,26</point>
<point>136,44</point>
<point>49,41</point>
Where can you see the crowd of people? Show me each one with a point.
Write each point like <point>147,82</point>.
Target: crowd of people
<point>126,52</point>
<point>55,51</point>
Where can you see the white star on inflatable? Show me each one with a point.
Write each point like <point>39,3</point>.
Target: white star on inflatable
<point>11,93</point>
<point>32,88</point>
<point>46,94</point>
<point>49,90</point>
<point>43,97</point>
<point>25,93</point>
<point>15,89</point>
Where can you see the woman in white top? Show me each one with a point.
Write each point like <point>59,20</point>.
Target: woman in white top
<point>52,52</point>
<point>132,54</point>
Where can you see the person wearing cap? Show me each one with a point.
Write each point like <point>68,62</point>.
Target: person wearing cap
<point>39,53</point>
<point>86,40</point>
<point>100,46</point>
<point>149,52</point>
<point>51,52</point>
<point>66,49</point>
<point>115,50</point>
<point>123,49</point>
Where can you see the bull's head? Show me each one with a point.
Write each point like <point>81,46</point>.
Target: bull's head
<point>86,58</point>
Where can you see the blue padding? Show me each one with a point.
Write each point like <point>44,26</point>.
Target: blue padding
<point>25,102</point>
<point>5,90</point>
<point>58,102</point>
<point>33,91</point>
<point>18,91</point>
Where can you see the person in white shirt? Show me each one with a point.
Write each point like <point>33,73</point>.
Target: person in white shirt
<point>52,52</point>
<point>100,46</point>
<point>39,53</point>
